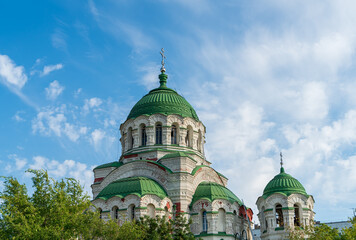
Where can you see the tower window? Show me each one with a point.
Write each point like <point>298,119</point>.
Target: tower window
<point>131,212</point>
<point>188,138</point>
<point>100,213</point>
<point>174,134</point>
<point>158,133</point>
<point>115,211</point>
<point>221,220</point>
<point>129,138</point>
<point>296,215</point>
<point>204,221</point>
<point>143,136</point>
<point>279,216</point>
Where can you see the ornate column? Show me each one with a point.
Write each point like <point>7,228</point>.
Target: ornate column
<point>135,135</point>
<point>182,135</point>
<point>166,135</point>
<point>150,131</point>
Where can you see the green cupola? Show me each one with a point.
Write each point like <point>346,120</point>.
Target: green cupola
<point>212,191</point>
<point>163,100</point>
<point>285,184</point>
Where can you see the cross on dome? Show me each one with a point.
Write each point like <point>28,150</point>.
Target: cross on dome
<point>282,169</point>
<point>162,62</point>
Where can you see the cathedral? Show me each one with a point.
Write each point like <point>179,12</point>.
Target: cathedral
<point>162,171</point>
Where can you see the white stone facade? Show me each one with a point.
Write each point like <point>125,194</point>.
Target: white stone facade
<point>148,153</point>
<point>297,210</point>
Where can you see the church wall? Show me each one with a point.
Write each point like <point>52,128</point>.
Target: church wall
<point>267,212</point>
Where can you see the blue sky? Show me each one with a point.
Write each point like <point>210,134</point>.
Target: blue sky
<point>264,77</point>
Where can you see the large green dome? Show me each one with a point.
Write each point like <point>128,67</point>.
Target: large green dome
<point>163,100</point>
<point>212,191</point>
<point>139,186</point>
<point>285,184</point>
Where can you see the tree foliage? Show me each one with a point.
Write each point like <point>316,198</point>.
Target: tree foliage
<point>323,232</point>
<point>61,210</point>
<point>164,229</point>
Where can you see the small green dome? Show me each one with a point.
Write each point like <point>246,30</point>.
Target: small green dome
<point>285,184</point>
<point>212,191</point>
<point>139,186</point>
<point>163,100</point>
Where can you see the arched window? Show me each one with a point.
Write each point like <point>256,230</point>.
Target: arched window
<point>158,133</point>
<point>174,134</point>
<point>296,215</point>
<point>204,221</point>
<point>279,216</point>
<point>143,135</point>
<point>131,212</point>
<point>188,138</point>
<point>130,139</point>
<point>151,210</point>
<point>115,213</point>
<point>221,220</point>
<point>100,213</point>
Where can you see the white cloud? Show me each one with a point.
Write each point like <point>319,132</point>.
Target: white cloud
<point>67,168</point>
<point>10,74</point>
<point>20,163</point>
<point>269,87</point>
<point>52,121</point>
<point>59,39</point>
<point>50,68</point>
<point>17,117</point>
<point>91,104</point>
<point>150,76</point>
<point>97,136</point>
<point>54,90</point>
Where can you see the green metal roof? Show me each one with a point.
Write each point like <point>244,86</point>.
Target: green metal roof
<point>174,154</point>
<point>139,186</point>
<point>212,191</point>
<point>111,164</point>
<point>285,184</point>
<point>163,100</point>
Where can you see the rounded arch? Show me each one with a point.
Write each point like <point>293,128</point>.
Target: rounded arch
<point>138,168</point>
<point>115,212</point>
<point>130,139</point>
<point>204,220</point>
<point>206,173</point>
<point>279,215</point>
<point>297,214</point>
<point>158,133</point>
<point>174,133</point>
<point>151,210</point>
<point>131,212</point>
<point>221,220</point>
<point>100,210</point>
<point>143,134</point>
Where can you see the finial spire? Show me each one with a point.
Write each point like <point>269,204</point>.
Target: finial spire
<point>163,77</point>
<point>281,155</point>
<point>162,62</point>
